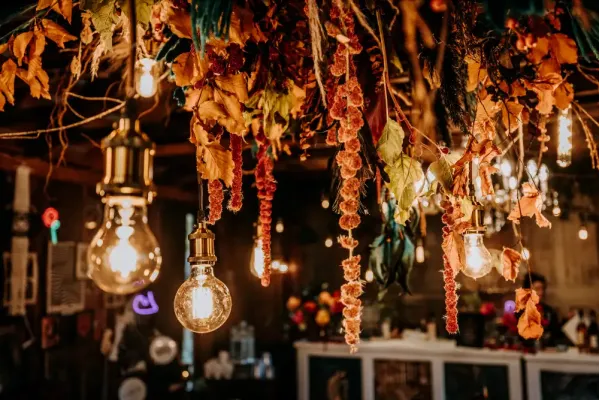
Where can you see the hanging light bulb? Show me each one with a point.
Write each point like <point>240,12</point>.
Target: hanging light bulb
<point>420,251</point>
<point>565,138</point>
<point>202,303</point>
<point>279,227</point>
<point>146,72</point>
<point>324,201</point>
<point>583,232</point>
<point>478,260</point>
<point>556,211</point>
<point>124,256</point>
<point>369,276</point>
<point>525,254</point>
<point>328,242</point>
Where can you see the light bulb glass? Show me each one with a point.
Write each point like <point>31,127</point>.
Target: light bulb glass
<point>583,233</point>
<point>478,260</point>
<point>565,138</point>
<point>369,276</point>
<point>146,82</point>
<point>124,256</point>
<point>328,242</point>
<point>506,168</point>
<point>202,303</point>
<point>257,260</point>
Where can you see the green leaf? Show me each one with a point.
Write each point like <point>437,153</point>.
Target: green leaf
<point>442,170</point>
<point>103,18</point>
<point>143,10</point>
<point>390,143</point>
<point>466,207</point>
<point>403,175</point>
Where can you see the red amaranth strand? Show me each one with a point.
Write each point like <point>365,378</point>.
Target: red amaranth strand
<point>345,108</point>
<point>266,185</point>
<point>215,201</point>
<point>451,299</point>
<point>235,201</point>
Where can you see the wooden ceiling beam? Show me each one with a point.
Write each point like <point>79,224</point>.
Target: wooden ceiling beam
<point>39,168</point>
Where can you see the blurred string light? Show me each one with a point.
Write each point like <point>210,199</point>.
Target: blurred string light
<point>583,232</point>
<point>328,242</point>
<point>279,227</point>
<point>420,251</point>
<point>369,276</point>
<point>556,211</point>
<point>324,201</point>
<point>565,138</point>
<point>525,254</point>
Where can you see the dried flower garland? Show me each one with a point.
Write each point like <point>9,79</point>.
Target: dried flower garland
<point>235,201</point>
<point>215,201</point>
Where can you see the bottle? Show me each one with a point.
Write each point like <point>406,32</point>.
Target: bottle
<point>592,333</point>
<point>243,329</point>
<point>431,327</point>
<point>423,325</point>
<point>235,345</point>
<point>250,339</point>
<point>582,338</point>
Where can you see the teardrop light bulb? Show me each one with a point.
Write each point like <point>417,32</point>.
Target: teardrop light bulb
<point>478,260</point>
<point>124,256</point>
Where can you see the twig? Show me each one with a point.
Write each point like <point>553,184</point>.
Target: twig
<point>36,133</point>
<point>585,112</point>
<point>78,96</point>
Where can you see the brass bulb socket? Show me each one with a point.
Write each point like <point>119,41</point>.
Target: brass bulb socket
<point>128,156</point>
<point>477,225</point>
<point>202,245</point>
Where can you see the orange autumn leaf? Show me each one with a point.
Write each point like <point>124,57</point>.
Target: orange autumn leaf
<point>62,7</point>
<point>522,296</point>
<point>539,51</point>
<point>563,48</point>
<point>7,82</point>
<point>20,45</point>
<point>39,84</point>
<point>215,162</point>
<point>530,205</point>
<point>56,33</point>
<point>530,322</point>
<point>475,73</point>
<point>563,95</point>
<point>485,126</point>
<point>511,259</point>
<point>453,246</point>
<point>183,68</point>
<point>179,22</point>
<point>511,115</point>
<point>235,84</point>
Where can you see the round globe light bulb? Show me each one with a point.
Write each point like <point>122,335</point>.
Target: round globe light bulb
<point>202,303</point>
<point>478,260</point>
<point>124,257</point>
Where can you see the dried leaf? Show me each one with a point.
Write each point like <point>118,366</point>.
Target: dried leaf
<point>76,66</point>
<point>38,85</point>
<point>530,205</point>
<point>485,126</point>
<point>476,74</point>
<point>235,84</point>
<point>404,173</point>
<point>215,162</point>
<point>530,322</point>
<point>7,81</point>
<point>183,68</point>
<point>453,246</point>
<point>511,259</point>
<point>511,115</point>
<point>3,47</point>
<point>563,95</point>
<point>523,296</point>
<point>233,108</point>
<point>86,35</point>
<point>564,49</point>
<point>210,111</point>
<point>56,33</point>
<point>442,170</point>
<point>179,22</point>
<point>537,53</point>
<point>21,44</point>
<point>389,146</point>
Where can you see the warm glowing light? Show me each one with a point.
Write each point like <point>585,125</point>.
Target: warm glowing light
<point>512,183</point>
<point>420,253</point>
<point>583,232</point>
<point>328,242</point>
<point>185,374</point>
<point>325,202</point>
<point>257,262</point>
<point>478,260</point>
<point>525,254</point>
<point>506,168</point>
<point>556,211</point>
<point>565,138</point>
<point>146,80</point>
<point>369,276</point>
<point>202,303</point>
<point>124,256</point>
<point>279,227</point>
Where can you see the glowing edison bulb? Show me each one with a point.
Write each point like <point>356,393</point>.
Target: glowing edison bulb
<point>257,260</point>
<point>478,260</point>
<point>124,256</point>
<point>565,138</point>
<point>202,303</point>
<point>146,82</point>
